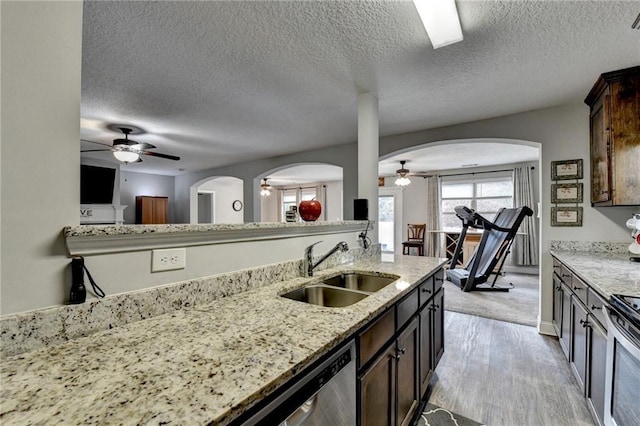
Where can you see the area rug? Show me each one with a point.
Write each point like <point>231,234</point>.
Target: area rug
<point>438,416</point>
<point>519,305</point>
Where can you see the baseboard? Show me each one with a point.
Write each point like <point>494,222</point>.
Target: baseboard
<point>546,327</point>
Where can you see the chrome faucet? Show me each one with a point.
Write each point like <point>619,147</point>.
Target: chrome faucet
<point>307,262</point>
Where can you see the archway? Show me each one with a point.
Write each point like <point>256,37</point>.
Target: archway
<point>294,182</point>
<point>215,200</point>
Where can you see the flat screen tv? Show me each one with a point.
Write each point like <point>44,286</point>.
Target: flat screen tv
<point>96,184</point>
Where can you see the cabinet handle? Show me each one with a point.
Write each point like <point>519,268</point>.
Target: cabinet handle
<point>566,275</point>
<point>558,288</point>
<point>426,290</point>
<point>594,307</point>
<point>402,351</point>
<point>604,192</point>
<point>556,266</point>
<point>584,323</point>
<point>439,279</point>
<point>576,287</point>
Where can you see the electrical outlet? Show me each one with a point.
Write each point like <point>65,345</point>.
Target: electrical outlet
<point>168,259</point>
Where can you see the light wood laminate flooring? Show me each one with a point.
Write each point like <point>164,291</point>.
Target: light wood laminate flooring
<point>500,373</point>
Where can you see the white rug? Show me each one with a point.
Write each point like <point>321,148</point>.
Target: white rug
<point>519,305</point>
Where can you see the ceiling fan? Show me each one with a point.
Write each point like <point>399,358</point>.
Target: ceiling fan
<point>403,174</point>
<point>129,151</point>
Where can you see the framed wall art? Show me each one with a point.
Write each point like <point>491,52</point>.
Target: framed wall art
<point>565,170</point>
<point>566,216</point>
<point>566,193</point>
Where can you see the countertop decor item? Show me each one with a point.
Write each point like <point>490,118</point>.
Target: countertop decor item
<point>310,210</point>
<point>634,247</point>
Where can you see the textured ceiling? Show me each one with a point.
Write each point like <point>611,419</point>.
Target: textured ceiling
<point>219,83</point>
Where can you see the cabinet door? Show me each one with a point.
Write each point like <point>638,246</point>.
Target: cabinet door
<point>578,353</point>
<point>438,328</point>
<point>378,390</point>
<point>600,144</point>
<point>425,353</point>
<point>565,332</point>
<point>161,210</point>
<point>597,367</point>
<point>557,306</point>
<point>407,384</point>
<point>624,134</point>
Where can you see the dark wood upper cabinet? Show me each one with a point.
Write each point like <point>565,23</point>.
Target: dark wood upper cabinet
<point>152,210</point>
<point>615,138</point>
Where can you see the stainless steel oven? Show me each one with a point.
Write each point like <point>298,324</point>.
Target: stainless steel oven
<point>622,390</point>
<point>324,396</point>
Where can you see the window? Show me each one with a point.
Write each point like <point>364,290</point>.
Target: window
<point>293,196</point>
<point>484,195</point>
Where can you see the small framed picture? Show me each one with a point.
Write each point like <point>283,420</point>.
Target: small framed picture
<point>566,216</point>
<point>564,170</point>
<point>566,193</point>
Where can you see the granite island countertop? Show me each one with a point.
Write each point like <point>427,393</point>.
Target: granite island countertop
<point>206,364</point>
<point>607,273</point>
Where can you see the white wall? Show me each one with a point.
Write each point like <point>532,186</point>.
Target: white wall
<point>133,184</point>
<point>40,151</point>
<point>227,190</point>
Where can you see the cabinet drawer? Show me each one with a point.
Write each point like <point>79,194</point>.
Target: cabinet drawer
<point>406,308</point>
<point>376,336</point>
<point>565,275</point>
<point>595,305</point>
<point>579,288</point>
<point>425,290</point>
<point>557,266</point>
<point>438,280</point>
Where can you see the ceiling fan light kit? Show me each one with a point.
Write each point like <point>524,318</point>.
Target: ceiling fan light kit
<point>265,188</point>
<point>402,173</point>
<point>126,156</point>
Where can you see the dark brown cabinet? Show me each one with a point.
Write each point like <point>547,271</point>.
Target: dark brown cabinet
<point>396,357</point>
<point>578,318</point>
<point>377,390</point>
<point>578,352</point>
<point>152,210</point>
<point>614,101</point>
<point>407,367</point>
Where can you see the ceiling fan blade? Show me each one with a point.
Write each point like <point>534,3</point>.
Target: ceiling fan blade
<point>97,143</point>
<point>96,150</point>
<point>142,145</point>
<point>157,154</point>
<point>121,141</point>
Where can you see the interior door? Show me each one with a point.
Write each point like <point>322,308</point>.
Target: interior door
<point>390,219</point>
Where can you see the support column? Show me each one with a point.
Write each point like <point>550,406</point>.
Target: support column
<point>368,148</point>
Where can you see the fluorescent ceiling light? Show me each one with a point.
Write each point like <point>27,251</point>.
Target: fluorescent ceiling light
<point>440,19</point>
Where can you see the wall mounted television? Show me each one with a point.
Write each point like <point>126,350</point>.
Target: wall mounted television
<point>96,184</point>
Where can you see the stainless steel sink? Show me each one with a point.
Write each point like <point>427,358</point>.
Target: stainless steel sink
<point>324,295</point>
<point>359,281</point>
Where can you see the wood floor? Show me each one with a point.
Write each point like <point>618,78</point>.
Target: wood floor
<point>500,373</point>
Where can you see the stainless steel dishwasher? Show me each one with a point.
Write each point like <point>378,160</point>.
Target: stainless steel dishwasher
<point>325,396</point>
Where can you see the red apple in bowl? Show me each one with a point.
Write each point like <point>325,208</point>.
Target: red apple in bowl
<point>310,210</point>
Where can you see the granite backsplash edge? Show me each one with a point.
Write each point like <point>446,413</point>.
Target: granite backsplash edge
<point>590,246</point>
<point>27,331</point>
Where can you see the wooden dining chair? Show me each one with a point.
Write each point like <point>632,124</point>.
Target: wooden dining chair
<point>415,238</point>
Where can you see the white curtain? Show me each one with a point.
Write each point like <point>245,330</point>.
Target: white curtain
<point>432,239</point>
<point>525,247</point>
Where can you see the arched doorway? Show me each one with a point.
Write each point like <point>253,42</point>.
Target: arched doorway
<point>217,200</point>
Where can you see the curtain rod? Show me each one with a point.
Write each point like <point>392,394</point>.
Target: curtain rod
<point>487,171</point>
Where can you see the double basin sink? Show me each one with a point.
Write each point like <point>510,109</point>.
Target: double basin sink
<point>341,290</point>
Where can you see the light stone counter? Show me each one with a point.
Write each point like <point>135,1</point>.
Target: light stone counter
<point>607,273</point>
<point>206,364</point>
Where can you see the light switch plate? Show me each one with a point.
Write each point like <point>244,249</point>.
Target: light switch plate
<point>168,259</point>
